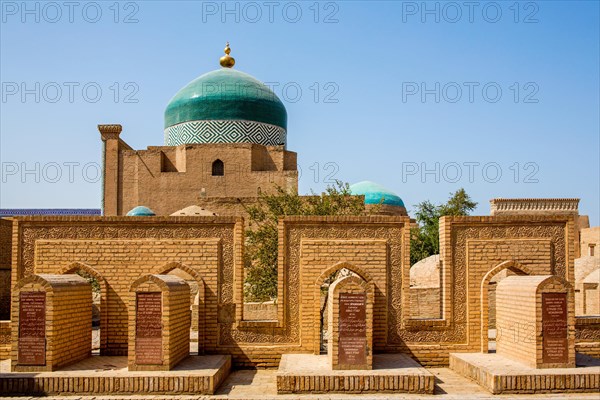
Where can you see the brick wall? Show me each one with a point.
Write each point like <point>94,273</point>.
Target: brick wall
<point>591,298</point>
<point>543,207</point>
<point>175,294</point>
<point>260,311</point>
<point>4,294</point>
<point>587,335</point>
<point>5,340</point>
<point>590,237</point>
<point>5,262</point>
<point>425,293</point>
<point>227,206</point>
<point>473,250</point>
<point>150,177</point>
<point>141,255</point>
<point>210,249</point>
<point>369,256</point>
<point>203,246</point>
<point>492,305</point>
<point>587,279</point>
<point>425,303</point>
<point>68,319</point>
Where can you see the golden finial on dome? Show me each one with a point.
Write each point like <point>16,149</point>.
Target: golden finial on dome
<point>227,61</point>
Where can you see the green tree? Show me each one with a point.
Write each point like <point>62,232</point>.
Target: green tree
<point>262,236</point>
<point>425,238</point>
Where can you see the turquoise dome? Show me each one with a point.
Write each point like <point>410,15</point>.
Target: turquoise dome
<point>374,193</point>
<point>140,211</point>
<point>225,106</point>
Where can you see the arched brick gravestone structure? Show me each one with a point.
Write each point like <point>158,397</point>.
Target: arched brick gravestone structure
<point>159,323</point>
<point>351,324</point>
<point>53,322</point>
<point>536,321</point>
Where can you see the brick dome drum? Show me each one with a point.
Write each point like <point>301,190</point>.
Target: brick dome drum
<point>225,106</point>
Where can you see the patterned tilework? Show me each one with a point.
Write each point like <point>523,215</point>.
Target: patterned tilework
<point>225,131</point>
<point>15,212</point>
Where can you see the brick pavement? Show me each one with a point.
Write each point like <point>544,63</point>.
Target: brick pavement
<point>261,384</point>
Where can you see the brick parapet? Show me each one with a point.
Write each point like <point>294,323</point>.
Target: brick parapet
<point>532,205</point>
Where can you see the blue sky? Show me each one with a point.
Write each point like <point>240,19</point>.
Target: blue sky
<point>500,98</point>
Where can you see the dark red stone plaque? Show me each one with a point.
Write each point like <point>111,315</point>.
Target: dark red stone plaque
<point>32,328</point>
<point>555,344</point>
<point>148,329</point>
<point>352,343</point>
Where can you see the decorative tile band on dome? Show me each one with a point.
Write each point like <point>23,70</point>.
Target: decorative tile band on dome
<point>225,131</point>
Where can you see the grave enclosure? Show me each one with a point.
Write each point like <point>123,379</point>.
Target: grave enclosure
<point>374,339</point>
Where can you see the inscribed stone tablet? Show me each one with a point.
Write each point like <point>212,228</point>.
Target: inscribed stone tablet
<point>148,330</point>
<point>32,328</point>
<point>555,346</point>
<point>353,329</point>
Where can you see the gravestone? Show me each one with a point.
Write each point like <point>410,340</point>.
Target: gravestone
<point>159,323</point>
<point>536,321</point>
<point>352,328</point>
<point>32,328</point>
<point>148,329</point>
<point>555,342</point>
<point>351,324</point>
<point>53,315</point>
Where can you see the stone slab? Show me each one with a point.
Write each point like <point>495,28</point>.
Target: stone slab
<point>99,375</point>
<point>501,375</point>
<point>148,328</point>
<point>308,373</point>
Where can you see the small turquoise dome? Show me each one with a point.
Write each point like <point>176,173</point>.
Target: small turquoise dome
<point>225,106</point>
<point>140,211</point>
<point>374,193</point>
